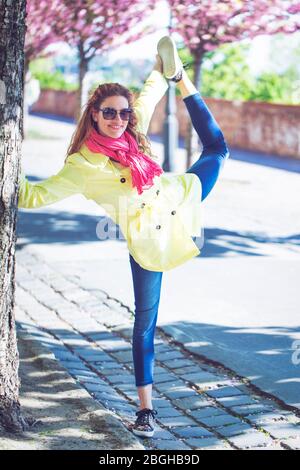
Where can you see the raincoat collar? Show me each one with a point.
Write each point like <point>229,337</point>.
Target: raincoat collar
<point>95,158</point>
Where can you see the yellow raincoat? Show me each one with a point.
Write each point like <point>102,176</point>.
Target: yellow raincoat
<point>158,224</point>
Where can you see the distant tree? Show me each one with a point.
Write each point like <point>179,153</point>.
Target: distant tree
<point>206,24</point>
<point>95,26</point>
<point>277,88</point>
<point>39,33</point>
<point>226,74</point>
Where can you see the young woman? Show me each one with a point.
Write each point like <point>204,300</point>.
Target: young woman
<point>110,161</point>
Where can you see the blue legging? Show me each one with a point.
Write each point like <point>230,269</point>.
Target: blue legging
<point>147,284</point>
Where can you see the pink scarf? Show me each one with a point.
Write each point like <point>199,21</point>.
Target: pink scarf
<point>125,150</point>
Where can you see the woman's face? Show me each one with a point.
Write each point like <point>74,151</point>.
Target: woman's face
<point>112,127</point>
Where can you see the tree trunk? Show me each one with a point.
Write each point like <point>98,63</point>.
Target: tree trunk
<point>192,141</point>
<point>83,68</point>
<point>12,34</point>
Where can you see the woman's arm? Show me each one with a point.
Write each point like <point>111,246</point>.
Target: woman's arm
<point>153,90</point>
<point>68,181</point>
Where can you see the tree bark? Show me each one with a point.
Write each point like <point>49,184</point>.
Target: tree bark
<point>12,35</point>
<point>192,141</point>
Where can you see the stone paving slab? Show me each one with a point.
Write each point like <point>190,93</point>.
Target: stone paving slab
<point>225,392</point>
<point>172,445</point>
<point>251,409</point>
<point>220,420</point>
<point>195,431</point>
<point>293,443</point>
<point>283,431</point>
<point>269,417</point>
<point>208,444</point>
<point>250,438</point>
<point>199,405</point>
<point>237,401</point>
<point>179,421</point>
<point>169,412</point>
<point>206,412</point>
<point>193,403</point>
<point>234,429</point>
<point>176,393</point>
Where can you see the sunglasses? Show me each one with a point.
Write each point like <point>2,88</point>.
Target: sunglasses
<point>111,113</point>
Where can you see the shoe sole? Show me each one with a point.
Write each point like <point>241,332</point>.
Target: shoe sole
<point>166,48</point>
<point>143,433</point>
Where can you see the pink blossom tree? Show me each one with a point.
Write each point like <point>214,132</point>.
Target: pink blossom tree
<point>206,24</point>
<point>95,26</point>
<point>40,16</point>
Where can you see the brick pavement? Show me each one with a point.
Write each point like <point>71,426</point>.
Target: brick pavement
<point>200,405</point>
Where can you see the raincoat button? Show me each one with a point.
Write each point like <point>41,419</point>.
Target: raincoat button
<point>173,212</point>
<point>158,227</point>
<point>123,180</point>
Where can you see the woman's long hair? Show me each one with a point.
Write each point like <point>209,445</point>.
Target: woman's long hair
<point>86,122</point>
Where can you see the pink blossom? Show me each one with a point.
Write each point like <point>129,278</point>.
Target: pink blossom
<point>205,24</point>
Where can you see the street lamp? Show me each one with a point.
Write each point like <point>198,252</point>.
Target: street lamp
<point>170,132</point>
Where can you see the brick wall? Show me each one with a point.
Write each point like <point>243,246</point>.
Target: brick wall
<point>265,127</point>
<point>60,103</point>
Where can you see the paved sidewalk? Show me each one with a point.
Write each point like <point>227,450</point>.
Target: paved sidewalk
<point>63,414</point>
<point>237,302</point>
<point>200,405</point>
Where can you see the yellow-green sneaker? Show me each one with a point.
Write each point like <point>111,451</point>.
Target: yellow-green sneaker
<point>172,65</point>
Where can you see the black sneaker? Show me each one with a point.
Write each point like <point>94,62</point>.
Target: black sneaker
<point>144,424</point>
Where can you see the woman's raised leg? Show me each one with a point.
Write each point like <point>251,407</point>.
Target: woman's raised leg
<point>215,150</point>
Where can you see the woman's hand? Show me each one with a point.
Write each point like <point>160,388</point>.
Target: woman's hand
<point>158,64</point>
